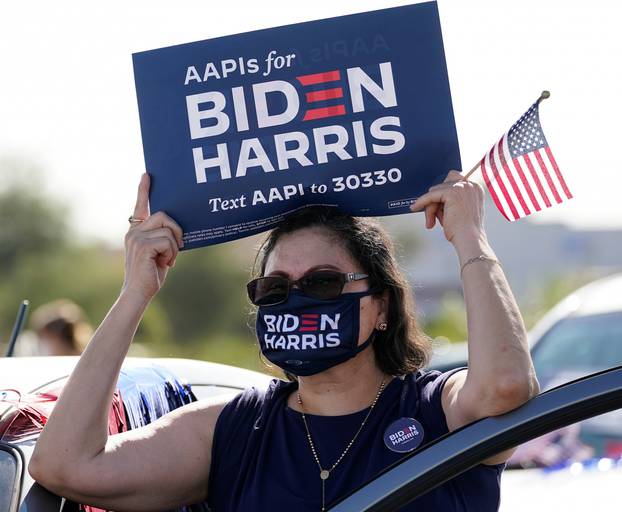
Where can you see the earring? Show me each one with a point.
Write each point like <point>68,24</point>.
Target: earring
<point>382,326</point>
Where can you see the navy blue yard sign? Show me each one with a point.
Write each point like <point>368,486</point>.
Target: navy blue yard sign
<point>353,112</point>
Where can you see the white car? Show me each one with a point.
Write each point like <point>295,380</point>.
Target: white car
<point>145,385</point>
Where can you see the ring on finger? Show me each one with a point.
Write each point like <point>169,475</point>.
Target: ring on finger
<point>134,220</point>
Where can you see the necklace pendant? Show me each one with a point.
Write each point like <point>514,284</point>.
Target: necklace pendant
<point>324,474</point>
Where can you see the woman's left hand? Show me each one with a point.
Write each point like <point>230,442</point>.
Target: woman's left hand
<point>458,205</point>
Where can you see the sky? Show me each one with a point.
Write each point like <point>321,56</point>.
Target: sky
<point>68,103</point>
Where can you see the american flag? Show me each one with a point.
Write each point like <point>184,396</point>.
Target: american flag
<point>520,170</point>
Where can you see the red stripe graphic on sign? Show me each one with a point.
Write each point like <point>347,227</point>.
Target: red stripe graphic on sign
<point>310,315</point>
<point>325,94</point>
<point>308,329</point>
<point>320,113</point>
<point>319,78</point>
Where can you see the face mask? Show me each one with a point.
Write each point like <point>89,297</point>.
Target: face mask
<point>305,336</point>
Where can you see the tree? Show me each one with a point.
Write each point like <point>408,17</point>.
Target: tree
<point>30,223</point>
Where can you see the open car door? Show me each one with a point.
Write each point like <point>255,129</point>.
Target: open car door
<point>456,452</point>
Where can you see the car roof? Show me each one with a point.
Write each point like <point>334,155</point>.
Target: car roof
<point>598,297</point>
<point>29,373</point>
<point>601,296</point>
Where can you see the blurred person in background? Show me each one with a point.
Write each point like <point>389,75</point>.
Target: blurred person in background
<point>61,328</point>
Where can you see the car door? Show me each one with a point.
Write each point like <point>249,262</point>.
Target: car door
<point>456,452</point>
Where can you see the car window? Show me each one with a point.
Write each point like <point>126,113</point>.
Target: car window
<point>577,346</point>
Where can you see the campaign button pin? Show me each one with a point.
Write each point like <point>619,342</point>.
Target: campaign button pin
<point>403,435</point>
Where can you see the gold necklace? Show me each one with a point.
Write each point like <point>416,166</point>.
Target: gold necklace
<point>325,473</point>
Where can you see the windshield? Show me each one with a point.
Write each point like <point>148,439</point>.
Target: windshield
<point>576,346</point>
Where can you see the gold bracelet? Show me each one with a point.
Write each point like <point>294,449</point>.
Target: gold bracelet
<point>481,257</point>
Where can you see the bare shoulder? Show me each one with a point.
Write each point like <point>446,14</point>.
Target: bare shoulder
<point>454,417</point>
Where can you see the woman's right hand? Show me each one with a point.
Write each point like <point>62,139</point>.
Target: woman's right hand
<point>151,247</point>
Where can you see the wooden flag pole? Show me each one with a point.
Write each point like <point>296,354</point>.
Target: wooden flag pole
<point>475,167</point>
<point>543,96</point>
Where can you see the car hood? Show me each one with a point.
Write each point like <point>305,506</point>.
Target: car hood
<point>27,374</point>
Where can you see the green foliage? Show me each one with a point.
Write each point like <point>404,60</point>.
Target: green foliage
<point>30,224</point>
<point>204,295</point>
<point>450,321</point>
<point>201,311</point>
<point>546,296</point>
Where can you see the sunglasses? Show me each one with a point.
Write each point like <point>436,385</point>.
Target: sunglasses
<point>323,284</point>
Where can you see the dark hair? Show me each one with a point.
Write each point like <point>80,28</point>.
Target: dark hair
<point>403,347</point>
<point>64,319</point>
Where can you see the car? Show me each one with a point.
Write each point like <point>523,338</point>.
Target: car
<point>556,341</point>
<point>146,388</point>
<point>141,383</point>
<point>582,334</point>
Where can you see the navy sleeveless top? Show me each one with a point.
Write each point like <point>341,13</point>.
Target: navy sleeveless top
<point>261,459</point>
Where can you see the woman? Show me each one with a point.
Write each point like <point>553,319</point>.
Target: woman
<point>304,443</point>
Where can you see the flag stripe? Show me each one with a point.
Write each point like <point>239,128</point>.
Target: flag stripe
<point>495,185</point>
<point>545,171</point>
<point>504,191</point>
<point>511,179</point>
<point>549,168</point>
<point>502,179</point>
<point>512,166</point>
<point>536,178</point>
<point>510,184</point>
<point>502,187</point>
<point>559,174</point>
<point>495,198</point>
<point>533,188</point>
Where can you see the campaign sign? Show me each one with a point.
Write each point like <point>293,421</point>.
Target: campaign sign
<point>353,112</point>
